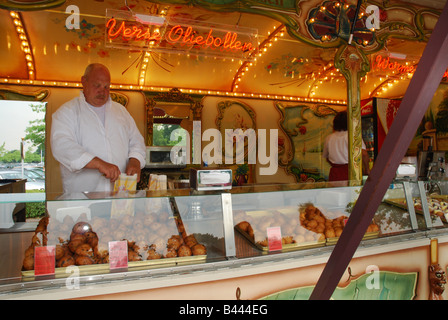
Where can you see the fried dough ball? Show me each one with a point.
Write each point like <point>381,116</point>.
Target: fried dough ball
<point>320,228</point>
<point>149,220</point>
<point>170,253</point>
<point>91,238</point>
<point>312,224</point>
<point>114,224</point>
<point>66,261</point>
<point>105,259</point>
<point>133,256</point>
<point>184,251</point>
<point>127,220</point>
<point>28,262</point>
<point>60,251</point>
<point>174,242</point>
<point>329,233</point>
<point>73,245</point>
<point>153,254</point>
<point>337,232</point>
<point>199,249</point>
<point>300,238</point>
<point>156,226</point>
<point>84,250</point>
<point>77,237</point>
<point>287,240</point>
<point>98,223</point>
<point>76,241</point>
<point>68,221</point>
<point>190,240</point>
<point>84,260</point>
<point>320,237</point>
<point>102,253</point>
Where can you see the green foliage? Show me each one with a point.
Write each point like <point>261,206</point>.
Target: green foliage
<point>35,134</point>
<point>35,209</point>
<point>162,134</point>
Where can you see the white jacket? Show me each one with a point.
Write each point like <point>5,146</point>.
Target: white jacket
<point>78,135</point>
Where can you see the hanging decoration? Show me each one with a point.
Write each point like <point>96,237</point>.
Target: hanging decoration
<point>334,19</point>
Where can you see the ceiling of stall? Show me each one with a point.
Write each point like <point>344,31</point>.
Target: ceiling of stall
<point>288,67</point>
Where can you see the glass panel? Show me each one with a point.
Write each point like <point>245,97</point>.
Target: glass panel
<point>159,232</point>
<point>202,219</point>
<point>307,218</point>
<point>16,234</point>
<point>437,201</point>
<point>392,215</point>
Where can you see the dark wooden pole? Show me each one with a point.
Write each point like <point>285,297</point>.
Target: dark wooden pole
<point>422,87</point>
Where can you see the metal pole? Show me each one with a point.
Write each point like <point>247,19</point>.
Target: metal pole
<point>422,87</point>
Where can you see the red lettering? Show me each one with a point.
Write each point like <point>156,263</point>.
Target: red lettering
<point>186,35</point>
<point>247,47</point>
<point>176,30</point>
<point>110,25</point>
<point>217,42</point>
<point>200,40</point>
<point>209,40</point>
<point>130,33</point>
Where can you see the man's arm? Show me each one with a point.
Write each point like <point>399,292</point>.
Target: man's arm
<point>109,170</point>
<point>133,167</point>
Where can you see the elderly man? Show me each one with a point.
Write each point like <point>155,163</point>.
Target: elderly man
<point>94,138</point>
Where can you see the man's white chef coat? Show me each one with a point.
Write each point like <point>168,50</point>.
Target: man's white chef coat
<point>78,135</point>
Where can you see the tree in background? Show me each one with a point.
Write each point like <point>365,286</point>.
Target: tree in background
<point>162,133</point>
<point>35,133</point>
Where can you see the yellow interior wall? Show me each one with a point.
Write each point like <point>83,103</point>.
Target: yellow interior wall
<point>266,117</point>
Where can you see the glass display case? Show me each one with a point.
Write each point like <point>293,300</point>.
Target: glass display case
<point>112,237</point>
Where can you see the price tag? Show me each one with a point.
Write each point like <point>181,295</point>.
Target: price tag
<point>274,238</point>
<point>118,254</point>
<point>44,260</point>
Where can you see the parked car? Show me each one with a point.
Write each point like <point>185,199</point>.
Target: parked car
<point>31,183</point>
<point>32,173</point>
<point>38,170</point>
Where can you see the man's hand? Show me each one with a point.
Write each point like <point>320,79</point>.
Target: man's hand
<point>133,167</point>
<point>109,170</point>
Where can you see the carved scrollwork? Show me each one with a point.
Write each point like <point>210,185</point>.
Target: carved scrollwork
<point>172,96</point>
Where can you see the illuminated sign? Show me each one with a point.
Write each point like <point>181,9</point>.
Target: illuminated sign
<point>388,63</point>
<point>385,63</point>
<point>173,35</point>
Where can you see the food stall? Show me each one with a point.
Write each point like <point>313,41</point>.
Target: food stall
<point>276,218</point>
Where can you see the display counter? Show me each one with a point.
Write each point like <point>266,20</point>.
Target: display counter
<point>98,244</point>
